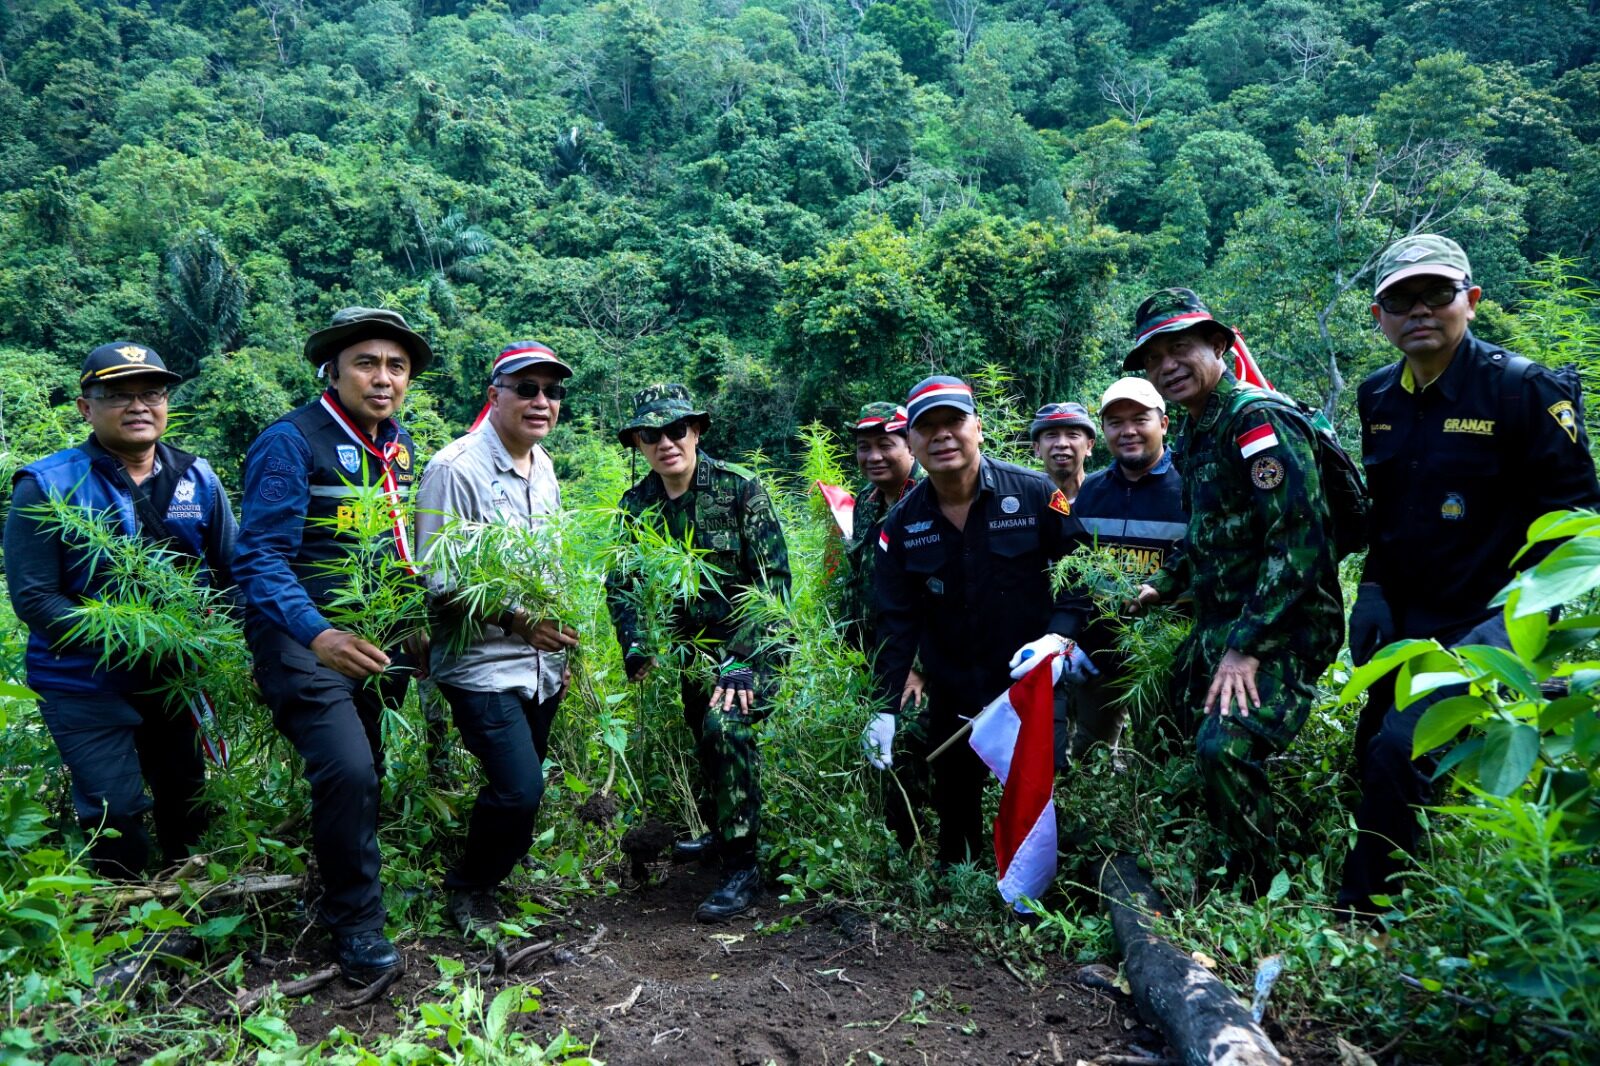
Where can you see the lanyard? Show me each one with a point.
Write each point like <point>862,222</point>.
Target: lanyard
<point>385,459</point>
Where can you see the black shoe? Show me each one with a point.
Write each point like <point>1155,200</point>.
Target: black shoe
<point>471,909</point>
<point>703,848</point>
<point>736,894</point>
<point>364,958</point>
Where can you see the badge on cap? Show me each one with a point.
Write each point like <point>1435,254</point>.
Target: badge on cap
<point>349,458</point>
<point>133,353</point>
<point>1411,255</point>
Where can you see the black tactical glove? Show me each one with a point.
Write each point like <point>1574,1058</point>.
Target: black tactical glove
<point>1371,623</point>
<point>737,676</point>
<point>634,661</point>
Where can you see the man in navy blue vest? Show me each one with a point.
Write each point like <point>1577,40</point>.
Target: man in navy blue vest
<point>115,731</point>
<point>327,687</point>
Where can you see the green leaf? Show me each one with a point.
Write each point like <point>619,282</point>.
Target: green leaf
<point>1387,660</point>
<point>1440,723</point>
<point>1570,571</point>
<point>1500,665</point>
<point>1280,886</point>
<point>1465,755</point>
<point>218,927</point>
<point>1510,750</point>
<point>12,690</point>
<point>1422,674</point>
<point>1529,632</point>
<point>449,968</point>
<point>1558,713</point>
<point>1558,525</point>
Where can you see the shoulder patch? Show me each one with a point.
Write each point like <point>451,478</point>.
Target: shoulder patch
<point>1566,417</point>
<point>883,540</point>
<point>1059,502</point>
<point>1266,473</point>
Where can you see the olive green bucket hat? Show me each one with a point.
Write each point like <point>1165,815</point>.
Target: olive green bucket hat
<point>351,325</point>
<point>655,406</point>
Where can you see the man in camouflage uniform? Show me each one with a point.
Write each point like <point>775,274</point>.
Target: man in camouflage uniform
<point>731,518</point>
<point>1259,561</point>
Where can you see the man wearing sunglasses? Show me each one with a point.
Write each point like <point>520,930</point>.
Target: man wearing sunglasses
<point>1464,445</point>
<point>116,730</point>
<point>504,686</point>
<point>729,515</point>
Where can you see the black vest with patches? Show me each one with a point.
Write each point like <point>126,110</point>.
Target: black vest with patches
<point>329,512</point>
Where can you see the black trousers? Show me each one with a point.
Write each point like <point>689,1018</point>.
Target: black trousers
<point>952,784</point>
<point>510,736</point>
<point>1393,786</point>
<point>333,722</point>
<point>113,746</point>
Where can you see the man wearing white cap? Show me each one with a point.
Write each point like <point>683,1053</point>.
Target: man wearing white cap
<point>963,588</point>
<point>503,673</point>
<point>1135,509</point>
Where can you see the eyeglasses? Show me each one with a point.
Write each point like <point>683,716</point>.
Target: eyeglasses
<point>1437,296</point>
<point>674,431</point>
<point>530,390</point>
<point>117,400</point>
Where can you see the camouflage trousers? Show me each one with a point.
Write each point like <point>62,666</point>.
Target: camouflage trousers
<point>729,788</point>
<point>1231,752</point>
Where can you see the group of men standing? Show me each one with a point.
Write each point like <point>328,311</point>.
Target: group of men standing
<point>947,586</point>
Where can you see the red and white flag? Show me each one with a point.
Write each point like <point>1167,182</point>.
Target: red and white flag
<point>1244,366</point>
<point>843,507</point>
<point>1015,737</point>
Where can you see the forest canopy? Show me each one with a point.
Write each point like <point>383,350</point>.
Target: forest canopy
<point>793,205</point>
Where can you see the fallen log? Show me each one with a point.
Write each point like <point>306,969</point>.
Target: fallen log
<point>1202,1019</point>
<point>249,885</point>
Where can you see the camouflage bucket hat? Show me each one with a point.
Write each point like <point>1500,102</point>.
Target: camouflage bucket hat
<point>1167,311</point>
<point>660,405</point>
<point>880,417</point>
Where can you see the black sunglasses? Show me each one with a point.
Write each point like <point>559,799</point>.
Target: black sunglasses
<point>530,390</point>
<point>1434,297</point>
<point>674,431</point>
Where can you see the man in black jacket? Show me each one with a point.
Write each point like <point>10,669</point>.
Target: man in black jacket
<point>1464,445</point>
<point>963,587</point>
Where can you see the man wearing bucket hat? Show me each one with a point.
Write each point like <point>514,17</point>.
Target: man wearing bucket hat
<point>327,687</point>
<point>1134,509</point>
<point>1259,561</point>
<point>730,517</point>
<point>115,732</point>
<point>1063,436</point>
<point>963,588</point>
<point>1464,444</point>
<point>503,672</point>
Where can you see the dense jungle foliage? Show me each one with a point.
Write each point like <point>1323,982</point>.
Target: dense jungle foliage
<point>795,206</point>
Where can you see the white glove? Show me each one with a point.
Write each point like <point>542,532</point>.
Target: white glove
<point>878,741</point>
<point>1073,661</point>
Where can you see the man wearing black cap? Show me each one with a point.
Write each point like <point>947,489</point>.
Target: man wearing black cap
<point>115,732</point>
<point>503,673</point>
<point>1464,444</point>
<point>963,587</point>
<point>1063,437</point>
<point>327,687</point>
<point>729,515</point>
<point>1258,559</point>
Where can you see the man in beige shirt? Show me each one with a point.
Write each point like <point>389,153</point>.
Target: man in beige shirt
<point>505,685</point>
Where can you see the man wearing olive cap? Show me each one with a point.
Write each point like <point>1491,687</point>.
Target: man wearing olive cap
<point>731,518</point>
<point>1258,561</point>
<point>503,672</point>
<point>116,732</point>
<point>1465,444</point>
<point>1133,509</point>
<point>1063,436</point>
<point>327,687</point>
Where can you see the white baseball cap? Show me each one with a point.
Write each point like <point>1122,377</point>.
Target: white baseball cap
<point>1139,390</point>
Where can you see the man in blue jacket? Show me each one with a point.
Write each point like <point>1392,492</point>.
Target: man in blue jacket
<point>326,686</point>
<point>116,732</point>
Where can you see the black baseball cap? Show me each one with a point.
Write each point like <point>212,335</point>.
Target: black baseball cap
<point>124,359</point>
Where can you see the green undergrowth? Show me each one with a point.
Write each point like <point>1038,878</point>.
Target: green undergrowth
<point>1489,901</point>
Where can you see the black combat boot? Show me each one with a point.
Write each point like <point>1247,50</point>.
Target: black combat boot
<point>471,909</point>
<point>740,887</point>
<point>365,958</point>
<point>702,848</point>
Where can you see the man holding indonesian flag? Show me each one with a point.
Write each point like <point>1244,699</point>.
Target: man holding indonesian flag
<point>1259,559</point>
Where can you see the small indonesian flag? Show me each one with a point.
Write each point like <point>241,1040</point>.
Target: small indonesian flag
<point>1015,737</point>
<point>1257,440</point>
<point>842,505</point>
<point>1244,366</point>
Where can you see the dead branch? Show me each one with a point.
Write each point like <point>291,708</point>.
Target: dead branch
<point>249,885</point>
<point>245,1001</point>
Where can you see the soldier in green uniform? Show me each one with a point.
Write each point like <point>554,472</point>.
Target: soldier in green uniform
<point>730,517</point>
<point>1259,561</point>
